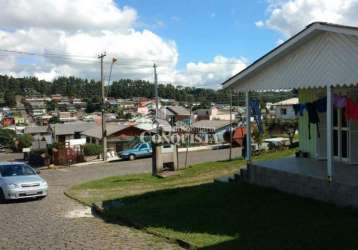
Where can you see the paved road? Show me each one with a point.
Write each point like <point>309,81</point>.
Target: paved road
<point>58,222</point>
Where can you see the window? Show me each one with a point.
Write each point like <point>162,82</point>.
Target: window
<point>144,146</point>
<point>283,111</point>
<point>340,134</point>
<point>16,170</point>
<point>77,135</point>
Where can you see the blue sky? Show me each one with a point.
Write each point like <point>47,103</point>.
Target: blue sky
<point>214,39</point>
<point>203,29</point>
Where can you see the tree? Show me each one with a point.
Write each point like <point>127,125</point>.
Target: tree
<point>290,128</point>
<point>258,137</point>
<point>7,137</point>
<point>54,120</point>
<point>51,105</point>
<point>10,99</point>
<point>23,141</point>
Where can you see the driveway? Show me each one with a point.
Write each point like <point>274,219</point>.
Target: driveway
<point>58,222</point>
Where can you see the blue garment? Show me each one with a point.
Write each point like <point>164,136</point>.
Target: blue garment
<point>299,108</point>
<point>256,113</point>
<point>321,105</point>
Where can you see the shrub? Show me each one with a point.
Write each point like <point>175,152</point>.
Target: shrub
<point>23,141</point>
<point>7,137</point>
<point>92,149</point>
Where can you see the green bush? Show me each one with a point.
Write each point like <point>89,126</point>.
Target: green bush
<point>23,141</point>
<point>92,149</point>
<point>7,137</point>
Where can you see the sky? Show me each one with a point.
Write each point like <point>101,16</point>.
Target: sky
<point>196,43</point>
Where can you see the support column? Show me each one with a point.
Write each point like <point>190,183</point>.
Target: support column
<point>329,134</point>
<point>248,127</point>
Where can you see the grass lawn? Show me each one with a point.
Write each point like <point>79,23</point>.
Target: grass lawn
<point>121,186</point>
<point>224,216</point>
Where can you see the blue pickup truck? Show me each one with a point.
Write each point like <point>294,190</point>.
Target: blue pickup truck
<point>138,151</point>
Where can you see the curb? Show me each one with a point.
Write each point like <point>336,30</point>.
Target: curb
<point>99,210</point>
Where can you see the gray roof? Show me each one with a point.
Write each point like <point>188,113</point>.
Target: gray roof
<point>164,125</point>
<point>71,127</point>
<point>179,110</point>
<point>36,130</point>
<point>111,128</point>
<point>211,124</point>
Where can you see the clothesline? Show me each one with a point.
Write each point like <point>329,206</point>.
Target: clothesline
<point>320,106</point>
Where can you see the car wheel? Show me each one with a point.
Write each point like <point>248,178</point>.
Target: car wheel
<point>131,157</point>
<point>2,196</point>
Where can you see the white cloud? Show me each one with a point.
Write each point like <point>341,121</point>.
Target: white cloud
<point>69,15</point>
<point>85,28</point>
<point>212,15</point>
<point>210,74</point>
<point>289,17</point>
<point>259,24</point>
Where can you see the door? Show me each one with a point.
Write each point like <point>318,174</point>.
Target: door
<point>340,135</point>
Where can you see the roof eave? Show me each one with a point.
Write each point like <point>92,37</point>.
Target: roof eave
<point>295,40</point>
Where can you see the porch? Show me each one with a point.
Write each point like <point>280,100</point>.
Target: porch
<point>307,177</point>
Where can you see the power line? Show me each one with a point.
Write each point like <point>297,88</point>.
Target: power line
<point>124,61</point>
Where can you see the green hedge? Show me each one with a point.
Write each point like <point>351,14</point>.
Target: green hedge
<point>92,149</point>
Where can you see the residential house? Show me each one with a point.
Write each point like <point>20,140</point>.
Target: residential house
<point>79,104</point>
<point>41,136</point>
<point>175,115</point>
<point>111,103</point>
<point>214,113</point>
<point>66,132</point>
<point>36,106</point>
<point>212,131</point>
<point>284,109</point>
<point>67,116</point>
<point>151,125</point>
<point>320,63</point>
<point>119,136</point>
<point>126,103</point>
<point>56,97</point>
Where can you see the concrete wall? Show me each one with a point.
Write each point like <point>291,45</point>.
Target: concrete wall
<point>305,186</point>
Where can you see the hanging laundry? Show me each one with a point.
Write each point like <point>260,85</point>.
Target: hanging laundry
<point>339,101</point>
<point>299,108</point>
<point>256,113</point>
<point>312,118</point>
<point>321,105</point>
<point>351,109</point>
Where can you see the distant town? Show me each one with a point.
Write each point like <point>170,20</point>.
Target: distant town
<point>62,129</point>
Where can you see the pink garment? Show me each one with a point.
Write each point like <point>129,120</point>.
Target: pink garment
<point>339,101</point>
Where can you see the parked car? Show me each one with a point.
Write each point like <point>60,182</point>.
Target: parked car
<point>2,149</point>
<point>18,180</point>
<point>138,151</point>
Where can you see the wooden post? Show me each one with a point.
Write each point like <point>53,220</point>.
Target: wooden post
<point>329,134</point>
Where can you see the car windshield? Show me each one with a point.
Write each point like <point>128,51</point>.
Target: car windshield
<point>16,170</point>
<point>137,146</point>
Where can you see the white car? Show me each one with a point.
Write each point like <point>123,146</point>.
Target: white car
<point>18,181</point>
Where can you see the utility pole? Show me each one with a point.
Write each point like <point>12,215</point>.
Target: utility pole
<point>110,74</point>
<point>230,155</point>
<point>104,132</point>
<point>155,143</point>
<point>156,93</point>
<point>189,136</point>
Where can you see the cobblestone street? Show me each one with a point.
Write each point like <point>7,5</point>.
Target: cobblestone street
<point>58,222</point>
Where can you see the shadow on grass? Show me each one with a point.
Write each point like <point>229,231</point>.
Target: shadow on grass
<point>241,216</point>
